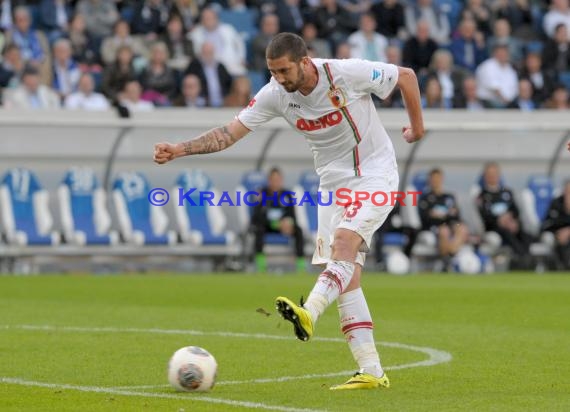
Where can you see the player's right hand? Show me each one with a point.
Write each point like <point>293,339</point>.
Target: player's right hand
<point>164,152</point>
<point>410,135</point>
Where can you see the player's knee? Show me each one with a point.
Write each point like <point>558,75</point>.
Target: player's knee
<point>345,245</point>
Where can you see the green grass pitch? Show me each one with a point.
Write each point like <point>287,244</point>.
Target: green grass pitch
<point>101,343</point>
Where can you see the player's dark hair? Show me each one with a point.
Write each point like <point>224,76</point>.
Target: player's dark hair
<point>274,169</point>
<point>435,171</point>
<point>286,44</point>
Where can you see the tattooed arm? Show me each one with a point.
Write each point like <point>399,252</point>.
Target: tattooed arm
<point>212,141</point>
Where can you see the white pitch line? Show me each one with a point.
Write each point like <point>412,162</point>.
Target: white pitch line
<point>112,391</point>
<point>435,356</point>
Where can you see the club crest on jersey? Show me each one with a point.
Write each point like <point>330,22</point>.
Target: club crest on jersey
<point>337,97</point>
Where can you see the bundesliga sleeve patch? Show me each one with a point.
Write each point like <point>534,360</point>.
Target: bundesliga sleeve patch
<point>378,76</point>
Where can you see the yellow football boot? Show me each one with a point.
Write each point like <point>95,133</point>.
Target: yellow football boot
<point>297,315</point>
<point>363,381</point>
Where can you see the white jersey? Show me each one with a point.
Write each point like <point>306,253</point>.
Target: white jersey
<point>338,117</point>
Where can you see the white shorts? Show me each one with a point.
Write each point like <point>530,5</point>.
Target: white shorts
<point>364,218</point>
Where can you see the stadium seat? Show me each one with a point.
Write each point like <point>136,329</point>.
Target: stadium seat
<point>82,205</point>
<point>564,78</point>
<point>306,213</point>
<point>535,202</point>
<point>200,223</point>
<point>140,222</point>
<point>241,20</point>
<point>425,247</point>
<point>24,205</point>
<point>254,181</point>
<point>257,80</point>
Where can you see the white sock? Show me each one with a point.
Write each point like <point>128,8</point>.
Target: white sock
<point>356,324</point>
<point>330,284</point>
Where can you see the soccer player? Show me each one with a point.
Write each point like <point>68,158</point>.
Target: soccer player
<point>329,103</point>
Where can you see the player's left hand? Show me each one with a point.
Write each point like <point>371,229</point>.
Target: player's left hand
<point>409,135</point>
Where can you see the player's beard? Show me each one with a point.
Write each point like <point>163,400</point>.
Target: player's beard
<point>292,87</point>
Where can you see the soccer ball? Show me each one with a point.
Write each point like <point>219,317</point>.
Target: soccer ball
<point>192,369</point>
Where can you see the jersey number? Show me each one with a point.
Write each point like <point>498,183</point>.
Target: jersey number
<point>352,209</point>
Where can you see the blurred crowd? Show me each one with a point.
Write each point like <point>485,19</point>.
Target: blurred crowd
<point>144,54</point>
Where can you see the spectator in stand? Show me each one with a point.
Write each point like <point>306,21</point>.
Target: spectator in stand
<point>468,48</point>
<point>450,78</point>
<point>291,18</point>
<point>478,11</point>
<point>558,222</point>
<point>121,37</point>
<point>33,44</point>
<point>389,15</point>
<point>393,56</point>
<point>150,18</point>
<point>179,45</point>
<point>31,94</point>
<point>500,213</point>
<point>542,81</point>
<point>130,98</point>
<point>502,35</point>
<point>439,213</point>
<point>157,79</point>
<point>191,95</point>
<point>229,47</point>
<point>433,97</point>
<point>356,7</point>
<point>269,27</point>
<point>436,20</point>
<point>524,101</point>
<point>559,99</point>
<point>556,52</point>
<point>83,47</point>
<point>497,81</point>
<point>6,14</point>
<point>66,72</point>
<point>11,67</point>
<point>419,49</point>
<point>215,79</point>
<point>117,74</point>
<point>342,51</point>
<point>366,43</point>
<point>100,16</point>
<point>188,11</point>
<point>85,98</point>
<point>333,22</point>
<point>240,93</point>
<point>559,14</point>
<point>321,48</point>
<point>518,14</point>
<point>468,99</point>
<point>53,18</point>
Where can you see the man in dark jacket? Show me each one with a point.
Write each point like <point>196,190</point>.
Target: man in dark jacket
<point>439,213</point>
<point>275,213</point>
<point>500,213</point>
<point>214,77</point>
<point>558,222</point>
